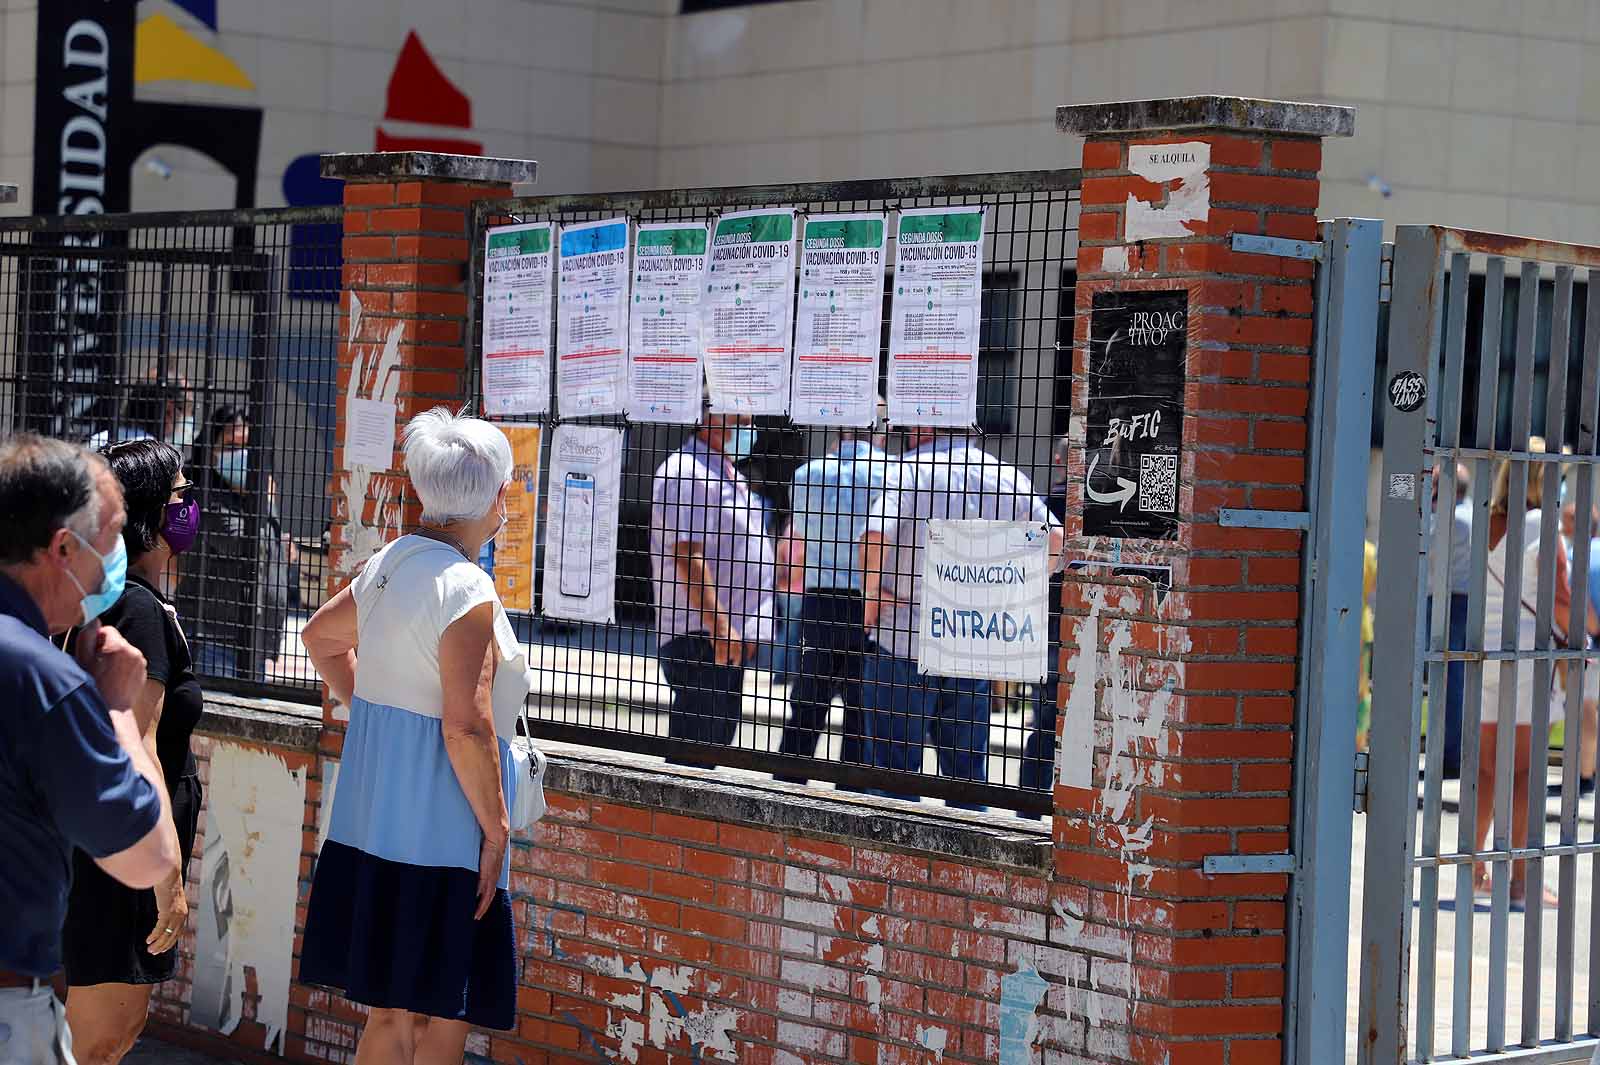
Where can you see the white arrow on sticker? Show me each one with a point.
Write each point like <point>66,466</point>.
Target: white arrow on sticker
<point>1124,492</point>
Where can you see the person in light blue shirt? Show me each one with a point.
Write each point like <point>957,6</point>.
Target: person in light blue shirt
<point>832,498</point>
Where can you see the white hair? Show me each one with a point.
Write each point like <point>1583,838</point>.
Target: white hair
<point>457,464</point>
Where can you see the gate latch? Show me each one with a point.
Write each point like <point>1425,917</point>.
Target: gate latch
<point>1214,864</point>
<point>1283,247</point>
<point>1361,782</point>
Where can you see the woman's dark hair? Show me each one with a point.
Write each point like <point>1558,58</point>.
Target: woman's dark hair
<point>146,470</point>
<point>220,421</point>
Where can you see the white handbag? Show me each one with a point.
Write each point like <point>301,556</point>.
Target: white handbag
<point>528,765</point>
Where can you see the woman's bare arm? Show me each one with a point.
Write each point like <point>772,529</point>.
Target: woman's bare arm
<point>466,680</point>
<point>330,642</point>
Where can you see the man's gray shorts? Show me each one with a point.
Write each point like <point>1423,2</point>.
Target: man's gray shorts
<point>33,1027</point>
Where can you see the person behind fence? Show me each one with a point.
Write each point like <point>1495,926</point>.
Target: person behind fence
<point>832,498</point>
<point>941,475</point>
<point>119,943</point>
<point>409,911</point>
<point>712,570</point>
<point>74,768</point>
<point>235,588</point>
<point>1589,726</point>
<point>1459,505</point>
<point>157,410</point>
<point>1503,585</point>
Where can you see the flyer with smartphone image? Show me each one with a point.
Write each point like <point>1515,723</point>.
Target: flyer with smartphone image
<point>580,556</point>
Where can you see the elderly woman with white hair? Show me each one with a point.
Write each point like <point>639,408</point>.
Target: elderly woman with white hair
<point>409,912</point>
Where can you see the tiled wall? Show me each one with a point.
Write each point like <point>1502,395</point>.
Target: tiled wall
<point>1474,114</point>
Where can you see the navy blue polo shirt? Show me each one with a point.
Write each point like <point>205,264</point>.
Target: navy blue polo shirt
<point>65,781</point>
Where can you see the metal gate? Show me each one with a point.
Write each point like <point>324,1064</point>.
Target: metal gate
<point>1492,342</point>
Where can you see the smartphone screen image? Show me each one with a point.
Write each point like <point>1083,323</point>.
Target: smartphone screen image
<point>577,535</point>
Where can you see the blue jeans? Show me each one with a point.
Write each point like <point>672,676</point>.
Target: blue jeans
<point>833,645</point>
<point>907,710</point>
<point>1455,679</point>
<point>33,1027</point>
<point>215,660</point>
<point>1039,750</point>
<point>707,699</point>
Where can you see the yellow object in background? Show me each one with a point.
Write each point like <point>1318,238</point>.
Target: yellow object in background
<point>514,547</point>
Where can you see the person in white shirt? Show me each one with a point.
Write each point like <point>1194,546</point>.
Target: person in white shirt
<point>712,567</point>
<point>941,475</point>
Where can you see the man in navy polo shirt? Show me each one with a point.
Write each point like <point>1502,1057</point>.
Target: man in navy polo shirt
<point>73,770</point>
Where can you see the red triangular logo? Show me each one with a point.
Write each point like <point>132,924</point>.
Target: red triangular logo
<point>420,92</point>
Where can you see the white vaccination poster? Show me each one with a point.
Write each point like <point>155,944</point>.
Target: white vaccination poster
<point>665,367</point>
<point>747,316</point>
<point>840,322</point>
<point>516,319</point>
<point>985,596</point>
<point>592,318</point>
<point>580,554</point>
<point>935,320</point>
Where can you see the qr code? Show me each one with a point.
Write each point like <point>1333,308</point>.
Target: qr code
<point>1158,483</point>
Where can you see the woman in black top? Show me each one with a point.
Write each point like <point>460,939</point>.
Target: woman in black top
<point>118,942</point>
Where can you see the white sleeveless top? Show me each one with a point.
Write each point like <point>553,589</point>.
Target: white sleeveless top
<point>1495,595</point>
<point>406,596</point>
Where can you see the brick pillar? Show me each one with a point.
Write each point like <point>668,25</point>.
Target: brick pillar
<point>1179,706</point>
<point>403,320</point>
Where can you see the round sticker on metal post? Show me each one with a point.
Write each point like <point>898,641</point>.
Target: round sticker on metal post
<point>1407,391</point>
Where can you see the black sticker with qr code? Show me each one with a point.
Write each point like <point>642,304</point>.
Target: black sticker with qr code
<point>1138,342</point>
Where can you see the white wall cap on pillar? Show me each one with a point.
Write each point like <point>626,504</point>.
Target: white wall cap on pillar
<point>428,166</point>
<point>1239,113</point>
<point>8,193</point>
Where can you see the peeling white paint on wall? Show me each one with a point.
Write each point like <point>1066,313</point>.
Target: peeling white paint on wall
<point>1020,995</point>
<point>871,984</point>
<point>933,1039</point>
<point>1181,168</point>
<point>1075,753</point>
<point>374,374</point>
<point>665,1018</point>
<point>1115,260</point>
<point>330,781</point>
<point>255,811</point>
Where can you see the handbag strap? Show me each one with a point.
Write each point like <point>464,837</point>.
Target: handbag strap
<point>1555,629</point>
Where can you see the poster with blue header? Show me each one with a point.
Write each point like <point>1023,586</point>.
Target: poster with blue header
<point>592,318</point>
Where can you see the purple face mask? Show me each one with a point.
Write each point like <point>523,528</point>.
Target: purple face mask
<point>180,524</point>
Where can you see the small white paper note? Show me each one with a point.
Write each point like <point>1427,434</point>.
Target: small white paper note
<point>369,435</point>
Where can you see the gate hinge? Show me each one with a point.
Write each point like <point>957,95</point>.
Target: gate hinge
<point>1360,799</point>
<point>1235,518</point>
<point>1386,273</point>
<point>1283,247</point>
<point>1214,864</point>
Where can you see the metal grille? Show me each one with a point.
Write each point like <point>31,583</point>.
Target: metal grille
<point>215,331</point>
<point>822,700</point>
<point>1467,956</point>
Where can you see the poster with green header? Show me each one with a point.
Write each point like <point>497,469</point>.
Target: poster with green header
<point>516,319</point>
<point>747,317</point>
<point>840,320</point>
<point>935,317</point>
<point>665,363</point>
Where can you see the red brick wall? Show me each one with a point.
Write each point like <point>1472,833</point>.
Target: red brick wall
<point>653,936</point>
<point>1214,661</point>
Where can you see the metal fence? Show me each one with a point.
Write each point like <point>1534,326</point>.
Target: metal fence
<point>825,699</point>
<point>1462,951</point>
<point>216,332</point>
